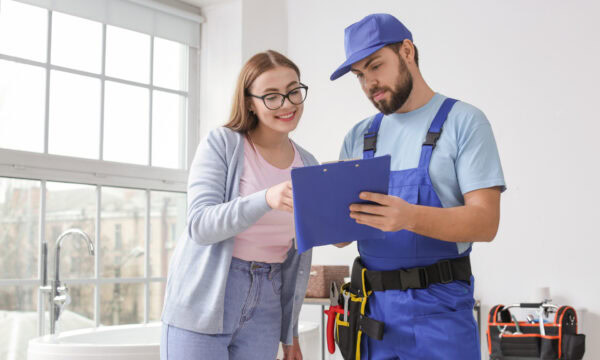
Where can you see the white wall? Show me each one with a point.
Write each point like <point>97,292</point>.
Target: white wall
<point>262,32</point>
<point>220,60</point>
<point>234,30</point>
<point>531,66</point>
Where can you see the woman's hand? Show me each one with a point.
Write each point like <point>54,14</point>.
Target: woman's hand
<point>292,352</point>
<point>280,197</point>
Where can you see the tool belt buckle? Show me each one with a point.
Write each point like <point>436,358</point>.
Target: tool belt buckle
<point>423,278</point>
<point>444,269</point>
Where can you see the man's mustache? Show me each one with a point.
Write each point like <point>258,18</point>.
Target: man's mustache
<point>375,90</point>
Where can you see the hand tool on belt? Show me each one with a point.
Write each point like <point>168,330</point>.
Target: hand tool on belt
<point>346,296</point>
<point>350,328</point>
<point>334,307</point>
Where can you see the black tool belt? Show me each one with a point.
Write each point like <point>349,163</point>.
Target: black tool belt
<point>349,330</point>
<point>348,334</point>
<point>442,272</point>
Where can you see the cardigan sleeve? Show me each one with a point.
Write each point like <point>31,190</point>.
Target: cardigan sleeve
<point>210,219</point>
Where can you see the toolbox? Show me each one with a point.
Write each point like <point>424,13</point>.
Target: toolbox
<point>540,336</point>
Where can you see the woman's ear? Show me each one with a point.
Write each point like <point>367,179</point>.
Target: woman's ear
<point>250,106</point>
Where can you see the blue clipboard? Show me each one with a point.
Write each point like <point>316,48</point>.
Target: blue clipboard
<point>322,197</point>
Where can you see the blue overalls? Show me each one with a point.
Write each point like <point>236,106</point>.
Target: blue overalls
<point>432,323</point>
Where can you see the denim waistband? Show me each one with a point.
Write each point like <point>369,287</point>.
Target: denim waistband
<point>256,267</point>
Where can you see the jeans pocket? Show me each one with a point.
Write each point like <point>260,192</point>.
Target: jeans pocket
<point>276,282</point>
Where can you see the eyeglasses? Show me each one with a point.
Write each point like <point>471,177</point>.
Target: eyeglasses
<point>274,101</point>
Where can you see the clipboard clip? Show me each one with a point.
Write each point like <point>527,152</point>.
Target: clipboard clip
<point>339,161</point>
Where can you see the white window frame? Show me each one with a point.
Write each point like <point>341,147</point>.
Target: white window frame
<point>45,167</point>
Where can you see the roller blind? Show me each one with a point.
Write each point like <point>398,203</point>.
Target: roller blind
<point>145,16</point>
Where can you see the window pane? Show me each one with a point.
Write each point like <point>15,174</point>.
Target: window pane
<point>74,115</point>
<point>23,30</point>
<point>122,304</point>
<point>157,296</point>
<point>76,43</point>
<point>127,54</point>
<point>70,206</point>
<point>18,320</point>
<point>170,64</point>
<point>19,228</point>
<point>123,230</point>
<point>22,100</point>
<point>168,130</point>
<point>80,312</point>
<point>126,123</point>
<point>168,216</point>
<point>18,298</point>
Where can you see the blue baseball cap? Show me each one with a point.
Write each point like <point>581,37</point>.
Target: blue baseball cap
<point>370,34</point>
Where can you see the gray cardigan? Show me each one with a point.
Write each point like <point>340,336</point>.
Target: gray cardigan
<point>195,293</point>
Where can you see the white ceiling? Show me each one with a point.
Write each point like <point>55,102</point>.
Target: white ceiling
<point>202,3</point>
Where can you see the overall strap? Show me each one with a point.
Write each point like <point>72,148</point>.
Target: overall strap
<point>370,139</point>
<point>435,130</point>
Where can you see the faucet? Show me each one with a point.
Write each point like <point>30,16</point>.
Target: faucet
<point>58,292</point>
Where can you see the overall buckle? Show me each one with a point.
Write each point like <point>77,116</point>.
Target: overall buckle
<point>432,138</point>
<point>370,141</point>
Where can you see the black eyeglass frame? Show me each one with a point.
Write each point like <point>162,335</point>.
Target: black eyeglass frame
<point>283,96</point>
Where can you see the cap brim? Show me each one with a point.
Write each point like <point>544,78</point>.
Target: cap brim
<point>357,56</point>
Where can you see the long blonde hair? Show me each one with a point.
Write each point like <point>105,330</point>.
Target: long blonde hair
<point>241,119</point>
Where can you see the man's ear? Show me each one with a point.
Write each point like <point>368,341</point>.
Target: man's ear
<point>407,51</point>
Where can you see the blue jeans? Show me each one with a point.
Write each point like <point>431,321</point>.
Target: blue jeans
<point>251,323</point>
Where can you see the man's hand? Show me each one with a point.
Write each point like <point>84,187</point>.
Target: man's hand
<point>292,352</point>
<point>476,221</point>
<point>390,214</point>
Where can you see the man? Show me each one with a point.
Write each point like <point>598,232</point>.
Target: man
<point>444,194</point>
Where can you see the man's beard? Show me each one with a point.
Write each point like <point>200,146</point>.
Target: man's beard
<point>400,94</point>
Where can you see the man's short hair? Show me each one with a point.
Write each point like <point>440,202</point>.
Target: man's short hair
<point>396,48</point>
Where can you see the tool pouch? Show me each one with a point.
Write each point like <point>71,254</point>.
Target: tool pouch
<point>348,334</point>
<point>560,342</point>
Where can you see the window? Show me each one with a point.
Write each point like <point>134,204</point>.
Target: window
<point>114,94</point>
<point>118,237</point>
<point>97,127</point>
<point>19,232</point>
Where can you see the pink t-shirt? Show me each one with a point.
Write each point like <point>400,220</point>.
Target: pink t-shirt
<point>270,238</point>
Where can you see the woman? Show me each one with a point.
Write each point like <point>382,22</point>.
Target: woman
<point>236,282</point>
